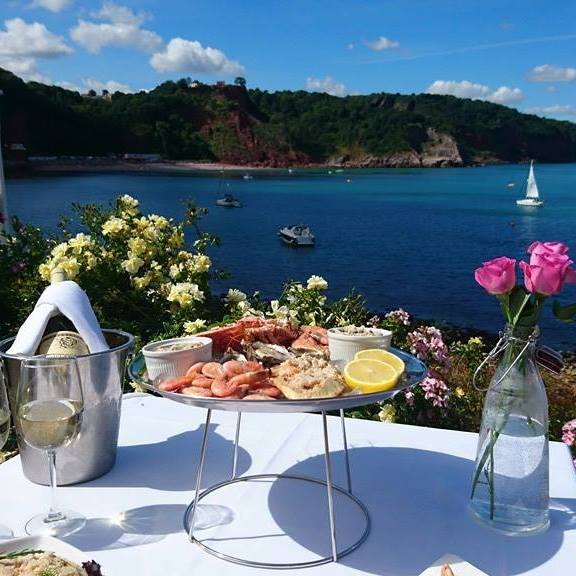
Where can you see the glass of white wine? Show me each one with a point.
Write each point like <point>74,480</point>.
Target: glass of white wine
<point>4,431</point>
<point>50,404</point>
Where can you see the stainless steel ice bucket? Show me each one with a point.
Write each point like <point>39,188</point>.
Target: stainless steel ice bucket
<point>93,453</point>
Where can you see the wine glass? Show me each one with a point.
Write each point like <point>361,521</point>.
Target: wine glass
<point>50,405</point>
<point>4,430</point>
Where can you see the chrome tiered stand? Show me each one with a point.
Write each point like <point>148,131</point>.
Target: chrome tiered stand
<point>415,371</point>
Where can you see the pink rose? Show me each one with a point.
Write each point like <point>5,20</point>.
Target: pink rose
<point>547,248</point>
<point>497,276</point>
<point>547,272</point>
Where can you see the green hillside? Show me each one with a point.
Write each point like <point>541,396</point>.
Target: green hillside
<point>228,123</point>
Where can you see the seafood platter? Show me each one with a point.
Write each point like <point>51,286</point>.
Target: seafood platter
<point>269,365</point>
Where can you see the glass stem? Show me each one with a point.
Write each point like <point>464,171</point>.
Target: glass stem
<point>53,514</point>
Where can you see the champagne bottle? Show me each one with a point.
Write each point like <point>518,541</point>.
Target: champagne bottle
<point>61,337</point>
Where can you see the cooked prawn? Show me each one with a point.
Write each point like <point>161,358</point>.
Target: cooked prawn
<point>258,396</point>
<point>267,390</point>
<point>212,370</point>
<point>195,368</point>
<point>221,387</point>
<point>196,391</point>
<point>202,382</point>
<point>249,378</point>
<point>175,384</point>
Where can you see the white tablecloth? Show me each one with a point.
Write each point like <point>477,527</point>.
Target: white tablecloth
<point>415,482</point>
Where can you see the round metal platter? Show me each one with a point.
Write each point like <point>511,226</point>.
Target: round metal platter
<point>414,373</point>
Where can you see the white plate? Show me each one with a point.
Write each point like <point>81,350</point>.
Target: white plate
<point>47,544</point>
<point>459,567</point>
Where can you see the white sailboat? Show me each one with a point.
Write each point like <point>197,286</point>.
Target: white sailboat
<point>532,195</point>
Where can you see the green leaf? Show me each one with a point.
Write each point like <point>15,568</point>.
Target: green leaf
<point>564,313</point>
<point>519,298</point>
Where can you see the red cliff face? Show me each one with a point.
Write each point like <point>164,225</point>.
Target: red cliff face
<point>237,136</point>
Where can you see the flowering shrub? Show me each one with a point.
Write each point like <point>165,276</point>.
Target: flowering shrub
<point>135,268</point>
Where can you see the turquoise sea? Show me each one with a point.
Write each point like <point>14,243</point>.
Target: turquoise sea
<point>403,238</point>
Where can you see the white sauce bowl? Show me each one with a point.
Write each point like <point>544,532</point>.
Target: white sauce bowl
<point>343,347</point>
<point>174,363</point>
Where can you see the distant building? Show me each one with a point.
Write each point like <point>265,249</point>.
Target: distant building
<point>137,157</point>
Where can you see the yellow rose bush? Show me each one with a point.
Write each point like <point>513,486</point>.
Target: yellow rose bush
<point>136,268</point>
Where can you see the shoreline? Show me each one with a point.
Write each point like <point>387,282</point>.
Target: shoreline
<point>15,169</point>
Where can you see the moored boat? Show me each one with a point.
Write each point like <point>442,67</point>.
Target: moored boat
<point>228,201</point>
<point>297,235</point>
<point>532,195</point>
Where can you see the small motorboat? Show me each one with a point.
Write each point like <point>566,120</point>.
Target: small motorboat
<point>248,177</point>
<point>228,201</point>
<point>297,235</point>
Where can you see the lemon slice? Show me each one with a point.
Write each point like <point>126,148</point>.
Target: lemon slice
<point>383,356</point>
<point>370,375</point>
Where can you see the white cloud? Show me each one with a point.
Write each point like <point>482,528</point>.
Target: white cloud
<point>120,27</point>
<point>111,85</point>
<point>382,43</point>
<point>326,84</point>
<point>181,55</point>
<point>551,89</point>
<point>504,95</point>
<point>466,89</point>
<point>22,43</point>
<point>68,86</point>
<point>564,109</point>
<point>550,73</point>
<point>52,5</point>
<point>21,39</point>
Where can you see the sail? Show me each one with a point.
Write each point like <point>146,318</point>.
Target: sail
<point>531,186</point>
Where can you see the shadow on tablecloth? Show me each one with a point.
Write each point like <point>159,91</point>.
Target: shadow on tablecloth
<point>418,505</point>
<point>171,464</point>
<point>145,525</point>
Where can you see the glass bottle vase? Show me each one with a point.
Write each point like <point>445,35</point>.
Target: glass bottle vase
<point>510,484</point>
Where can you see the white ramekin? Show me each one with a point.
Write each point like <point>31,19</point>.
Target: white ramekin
<point>173,363</point>
<point>343,347</point>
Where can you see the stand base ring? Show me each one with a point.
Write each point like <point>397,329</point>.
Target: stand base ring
<point>286,566</point>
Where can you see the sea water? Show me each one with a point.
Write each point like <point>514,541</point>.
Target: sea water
<point>406,238</point>
<point>520,480</point>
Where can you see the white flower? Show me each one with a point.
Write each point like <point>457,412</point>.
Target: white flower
<point>235,297</point>
<point>113,226</point>
<point>132,264</point>
<point>70,266</point>
<point>282,312</point>
<point>137,246</point>
<point>194,326</point>
<point>185,293</point>
<point>60,250</point>
<point>127,200</point>
<point>175,270</point>
<point>201,263</point>
<point>141,282</point>
<point>316,283</point>
<point>129,205</point>
<point>387,413</point>
<point>79,242</point>
<point>159,222</point>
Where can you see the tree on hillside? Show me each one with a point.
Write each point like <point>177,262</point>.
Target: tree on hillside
<point>240,81</point>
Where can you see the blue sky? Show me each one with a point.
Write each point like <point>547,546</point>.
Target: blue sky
<point>521,53</point>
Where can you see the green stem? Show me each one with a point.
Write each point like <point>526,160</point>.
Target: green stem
<point>488,451</point>
<point>491,482</point>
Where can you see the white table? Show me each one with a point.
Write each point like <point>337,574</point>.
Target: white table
<point>415,482</point>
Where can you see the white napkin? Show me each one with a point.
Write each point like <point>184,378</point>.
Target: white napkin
<point>68,299</point>
<point>459,567</point>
